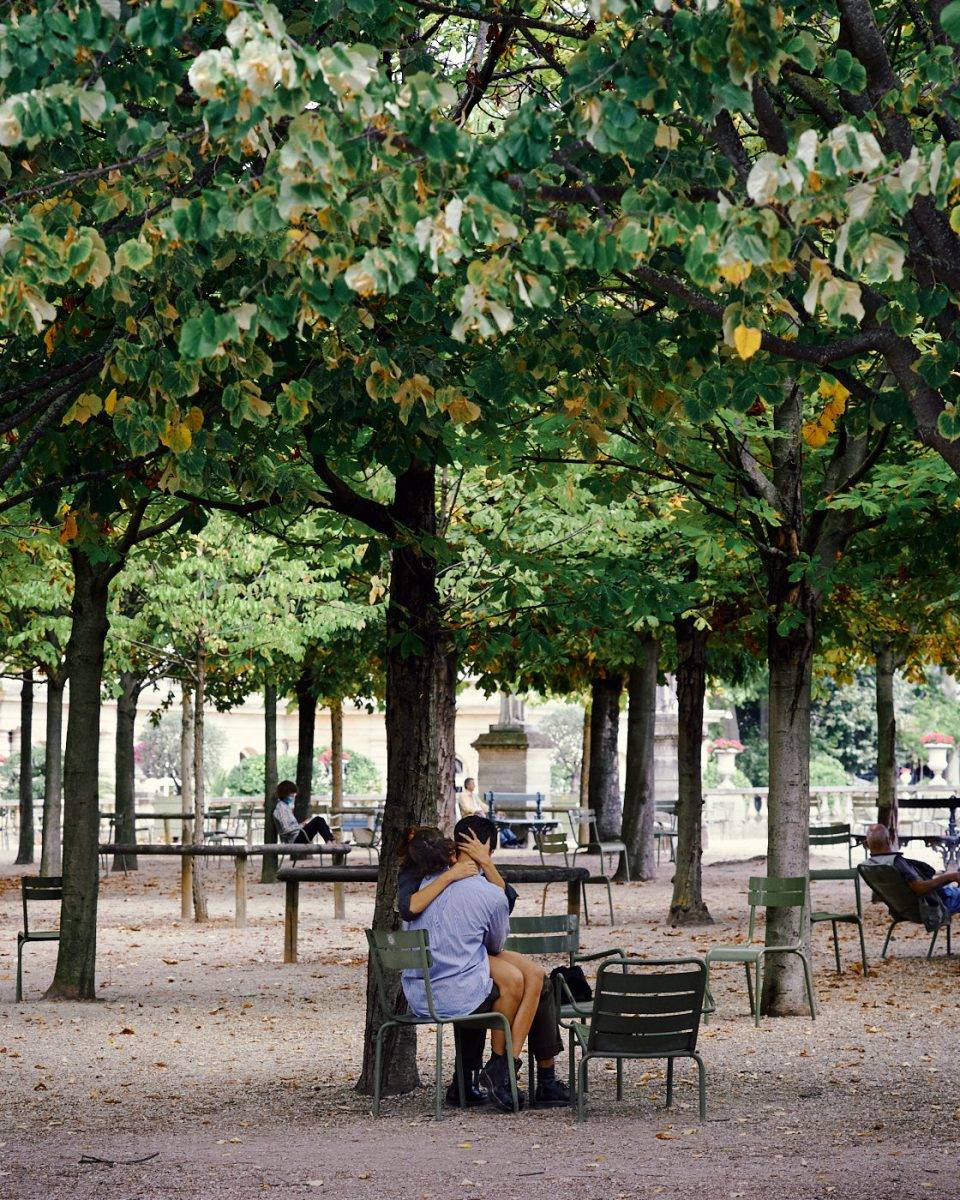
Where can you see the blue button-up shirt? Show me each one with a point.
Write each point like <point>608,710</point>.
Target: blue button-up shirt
<point>468,920</point>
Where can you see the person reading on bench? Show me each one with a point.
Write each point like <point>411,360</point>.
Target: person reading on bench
<point>430,866</point>
<point>289,829</point>
<point>882,854</point>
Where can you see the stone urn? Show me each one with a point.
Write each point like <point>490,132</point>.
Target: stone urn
<point>726,760</point>
<point>937,755</point>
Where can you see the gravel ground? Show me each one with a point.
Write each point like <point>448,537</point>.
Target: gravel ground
<point>235,1073</point>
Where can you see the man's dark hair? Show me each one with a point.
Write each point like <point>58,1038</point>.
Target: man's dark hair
<point>286,788</point>
<point>481,827</point>
<point>469,779</point>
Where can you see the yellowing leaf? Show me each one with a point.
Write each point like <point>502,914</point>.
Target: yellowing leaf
<point>82,409</point>
<point>735,272</point>
<point>68,530</point>
<point>814,435</point>
<point>177,436</point>
<point>955,219</point>
<point>668,137</point>
<point>746,339</point>
<point>462,411</point>
<point>50,338</point>
<point>110,402</point>
<point>194,419</point>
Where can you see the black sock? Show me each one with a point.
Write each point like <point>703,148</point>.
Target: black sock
<point>546,1074</point>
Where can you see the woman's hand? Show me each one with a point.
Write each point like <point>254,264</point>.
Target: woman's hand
<point>478,851</point>
<point>463,868</point>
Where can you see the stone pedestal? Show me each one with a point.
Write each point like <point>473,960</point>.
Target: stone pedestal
<point>513,758</point>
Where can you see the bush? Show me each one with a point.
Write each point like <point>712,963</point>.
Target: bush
<point>10,774</point>
<point>711,775</point>
<point>360,774</point>
<point>826,771</point>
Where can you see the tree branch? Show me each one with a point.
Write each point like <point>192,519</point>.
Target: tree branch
<point>496,16</point>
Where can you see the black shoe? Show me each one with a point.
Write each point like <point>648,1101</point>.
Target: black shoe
<point>551,1093</point>
<point>475,1096</point>
<point>495,1078</point>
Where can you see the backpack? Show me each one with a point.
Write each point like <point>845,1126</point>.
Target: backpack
<point>576,982</point>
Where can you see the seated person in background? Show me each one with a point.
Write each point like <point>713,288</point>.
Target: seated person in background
<point>882,854</point>
<point>468,800</point>
<point>518,980</point>
<point>289,829</point>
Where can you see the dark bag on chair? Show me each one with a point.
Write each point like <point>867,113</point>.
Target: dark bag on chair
<point>575,981</point>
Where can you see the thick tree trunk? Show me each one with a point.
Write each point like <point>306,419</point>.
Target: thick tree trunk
<point>186,800</point>
<point>886,741</point>
<point>687,906</point>
<point>583,792</point>
<point>413,653</point>
<point>447,767</point>
<point>306,733</point>
<point>790,658</point>
<point>125,806</point>
<point>50,854</point>
<point>25,851</point>
<point>336,756</point>
<point>199,788</point>
<point>75,977</point>
<point>638,797</point>
<point>268,871</point>
<point>604,786</point>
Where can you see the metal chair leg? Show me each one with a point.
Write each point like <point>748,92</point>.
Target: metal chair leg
<point>458,1056</point>
<point>863,950</point>
<point>586,910</point>
<point>756,995</point>
<point>836,947</point>
<point>809,981</point>
<point>949,921</point>
<point>746,971</point>
<point>619,1078</point>
<point>377,1069</point>
<point>19,970</point>
<point>582,1085</point>
<point>610,900</point>
<point>933,942</point>
<point>438,1104</point>
<point>669,1083</point>
<point>701,1085</point>
<point>893,925</point>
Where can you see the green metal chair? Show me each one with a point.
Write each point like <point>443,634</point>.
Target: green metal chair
<point>33,888</point>
<point>766,891</point>
<point>556,936</point>
<point>552,842</point>
<point>665,827</point>
<point>847,918</point>
<point>643,1011</point>
<point>409,950</point>
<point>837,834</point>
<point>904,906</point>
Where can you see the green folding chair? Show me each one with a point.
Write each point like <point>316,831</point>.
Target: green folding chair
<point>842,918</point>
<point>557,936</point>
<point>554,843</point>
<point>409,950</point>
<point>33,888</point>
<point>766,891</point>
<point>837,834</point>
<point>644,1009</point>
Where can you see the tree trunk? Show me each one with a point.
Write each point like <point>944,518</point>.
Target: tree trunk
<point>125,768</point>
<point>790,658</point>
<point>413,653</point>
<point>447,813</point>
<point>25,851</point>
<point>268,871</point>
<point>306,732</point>
<point>583,792</point>
<point>687,906</point>
<point>75,977</point>
<point>200,912</point>
<point>638,793</point>
<point>186,800</point>
<point>336,758</point>
<point>604,785</point>
<point>886,741</point>
<point>53,775</point>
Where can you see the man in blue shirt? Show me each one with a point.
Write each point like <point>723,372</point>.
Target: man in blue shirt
<point>468,921</point>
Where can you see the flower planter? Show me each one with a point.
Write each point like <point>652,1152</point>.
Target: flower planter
<point>726,765</point>
<point>937,755</point>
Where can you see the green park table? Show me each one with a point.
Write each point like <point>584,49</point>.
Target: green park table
<point>292,877</point>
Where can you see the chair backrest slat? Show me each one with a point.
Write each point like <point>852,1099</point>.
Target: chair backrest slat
<point>647,1007</point>
<point>39,888</point>
<point>398,950</point>
<point>771,891</point>
<point>555,934</point>
<point>892,889</point>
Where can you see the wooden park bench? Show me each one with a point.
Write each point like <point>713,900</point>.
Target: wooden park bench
<point>337,852</point>
<point>292,877</point>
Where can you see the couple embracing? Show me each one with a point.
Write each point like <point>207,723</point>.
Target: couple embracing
<point>451,889</point>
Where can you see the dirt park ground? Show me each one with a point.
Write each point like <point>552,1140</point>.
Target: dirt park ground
<point>232,1075</point>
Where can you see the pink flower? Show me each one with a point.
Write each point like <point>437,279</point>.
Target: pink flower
<point>936,739</point>
<point>726,744</point>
